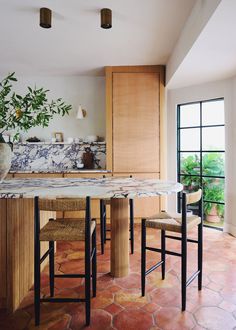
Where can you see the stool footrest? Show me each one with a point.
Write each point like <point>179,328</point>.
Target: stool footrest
<point>92,254</point>
<point>179,238</point>
<point>69,275</point>
<point>62,300</point>
<point>192,277</point>
<point>153,267</point>
<point>45,255</point>
<point>172,253</point>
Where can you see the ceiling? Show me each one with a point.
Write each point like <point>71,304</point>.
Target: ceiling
<point>213,55</point>
<point>143,32</point>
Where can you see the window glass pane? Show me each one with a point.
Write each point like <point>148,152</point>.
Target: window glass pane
<point>213,164</point>
<point>190,163</point>
<point>213,138</point>
<point>190,139</point>
<point>190,115</point>
<point>213,112</point>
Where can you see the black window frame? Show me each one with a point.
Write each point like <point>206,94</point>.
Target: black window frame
<point>200,152</point>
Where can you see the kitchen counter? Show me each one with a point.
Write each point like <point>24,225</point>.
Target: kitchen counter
<point>17,223</point>
<point>62,171</point>
<point>80,187</point>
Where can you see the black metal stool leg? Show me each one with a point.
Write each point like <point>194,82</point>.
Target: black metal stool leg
<point>102,225</point>
<point>87,280</point>
<point>36,264</point>
<point>105,223</point>
<point>37,286</point>
<point>184,269</point>
<point>200,252</point>
<point>51,267</point>
<point>163,253</point>
<point>143,256</point>
<point>94,263</point>
<point>131,205</point>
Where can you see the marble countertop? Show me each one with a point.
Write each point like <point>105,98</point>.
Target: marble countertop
<point>80,187</point>
<point>97,170</point>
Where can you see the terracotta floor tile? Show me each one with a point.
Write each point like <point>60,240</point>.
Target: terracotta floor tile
<point>100,319</point>
<point>214,286</point>
<point>61,324</point>
<point>151,308</point>
<point>133,320</point>
<point>205,297</point>
<point>227,306</point>
<point>62,283</point>
<point>229,295</point>
<point>215,318</point>
<point>103,299</point>
<point>129,282</point>
<point>130,299</point>
<point>114,309</point>
<point>119,304</point>
<point>164,297</point>
<point>174,319</point>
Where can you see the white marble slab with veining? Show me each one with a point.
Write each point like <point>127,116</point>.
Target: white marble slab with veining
<point>80,187</point>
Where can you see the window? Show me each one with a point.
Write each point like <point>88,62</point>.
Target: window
<point>201,155</point>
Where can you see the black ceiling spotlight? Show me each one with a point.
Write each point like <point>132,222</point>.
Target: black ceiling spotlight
<point>106,18</point>
<point>45,18</point>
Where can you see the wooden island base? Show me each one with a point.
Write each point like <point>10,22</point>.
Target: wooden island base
<point>17,249</point>
<point>119,237</point>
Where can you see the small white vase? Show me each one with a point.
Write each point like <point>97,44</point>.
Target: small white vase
<point>5,160</point>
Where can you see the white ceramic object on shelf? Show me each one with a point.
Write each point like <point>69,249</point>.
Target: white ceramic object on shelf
<point>79,164</point>
<point>91,138</point>
<point>70,140</point>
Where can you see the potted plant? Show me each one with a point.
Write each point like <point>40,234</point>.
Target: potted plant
<point>190,166</point>
<point>19,113</point>
<point>214,193</point>
<point>213,164</point>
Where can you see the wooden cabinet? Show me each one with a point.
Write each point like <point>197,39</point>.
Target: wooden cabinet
<point>135,126</point>
<point>37,175</point>
<point>135,122</point>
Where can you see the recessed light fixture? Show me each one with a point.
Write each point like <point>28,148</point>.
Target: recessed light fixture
<point>45,18</point>
<point>106,18</point>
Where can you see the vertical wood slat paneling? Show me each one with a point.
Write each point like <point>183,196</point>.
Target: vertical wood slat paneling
<point>119,237</point>
<point>20,249</point>
<point>136,131</point>
<point>3,253</point>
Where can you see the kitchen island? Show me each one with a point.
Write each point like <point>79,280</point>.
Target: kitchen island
<point>17,222</point>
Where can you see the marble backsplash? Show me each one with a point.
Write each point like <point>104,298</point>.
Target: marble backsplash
<point>56,156</point>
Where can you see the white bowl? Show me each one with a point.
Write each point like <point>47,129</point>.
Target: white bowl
<point>80,165</point>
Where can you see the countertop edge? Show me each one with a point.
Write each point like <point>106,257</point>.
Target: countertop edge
<point>57,171</point>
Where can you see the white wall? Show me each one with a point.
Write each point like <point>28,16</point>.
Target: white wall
<point>226,89</point>
<point>87,91</point>
<point>197,20</point>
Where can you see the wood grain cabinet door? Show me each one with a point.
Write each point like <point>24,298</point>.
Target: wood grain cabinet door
<point>136,117</point>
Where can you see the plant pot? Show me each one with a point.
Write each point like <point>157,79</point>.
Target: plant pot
<point>213,215</point>
<point>5,160</point>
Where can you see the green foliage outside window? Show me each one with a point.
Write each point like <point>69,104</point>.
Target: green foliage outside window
<point>213,188</point>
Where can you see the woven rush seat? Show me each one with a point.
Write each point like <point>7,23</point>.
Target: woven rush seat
<point>171,221</point>
<point>65,230</point>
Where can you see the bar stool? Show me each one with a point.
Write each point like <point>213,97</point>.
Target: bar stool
<point>103,222</point>
<point>178,223</point>
<point>64,230</point>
